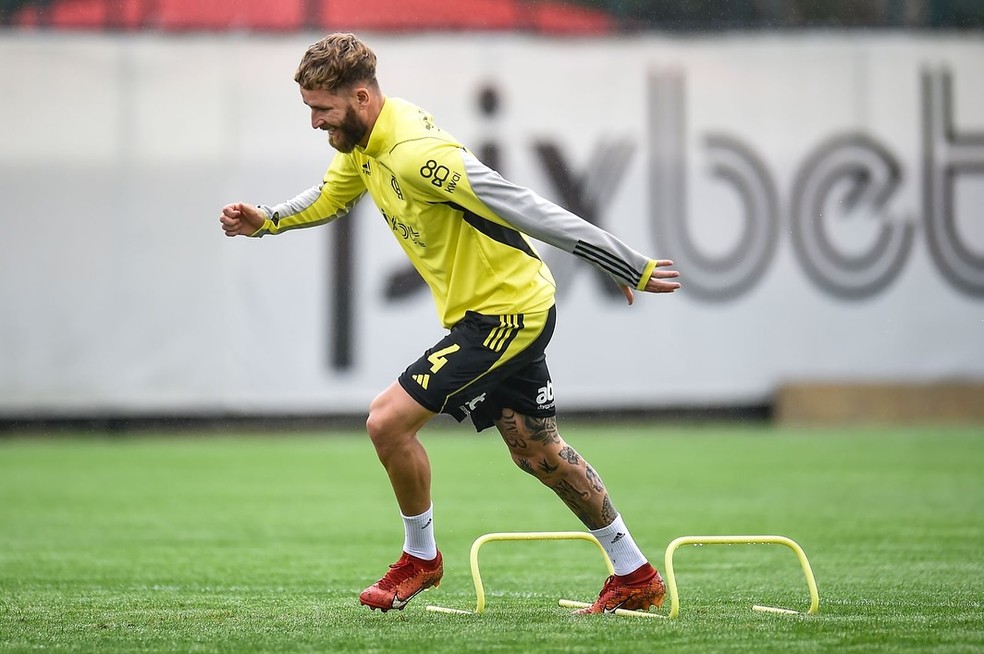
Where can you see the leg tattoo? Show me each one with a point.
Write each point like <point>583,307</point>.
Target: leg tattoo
<point>542,430</point>
<point>594,480</point>
<point>574,499</point>
<point>558,466</point>
<point>568,454</point>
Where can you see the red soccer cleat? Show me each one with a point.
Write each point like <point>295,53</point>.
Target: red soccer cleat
<point>405,579</point>
<point>628,593</point>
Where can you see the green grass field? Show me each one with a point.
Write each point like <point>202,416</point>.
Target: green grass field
<point>215,543</point>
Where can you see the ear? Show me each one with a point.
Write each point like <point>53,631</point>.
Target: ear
<point>362,97</point>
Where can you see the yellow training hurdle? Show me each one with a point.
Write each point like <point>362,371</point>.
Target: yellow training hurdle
<point>668,570</point>
<point>671,584</point>
<point>516,536</point>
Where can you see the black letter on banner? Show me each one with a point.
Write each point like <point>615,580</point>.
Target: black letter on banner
<point>947,156</point>
<point>342,247</point>
<point>849,176</point>
<point>582,195</point>
<point>713,278</point>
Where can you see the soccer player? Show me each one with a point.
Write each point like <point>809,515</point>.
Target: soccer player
<point>465,230</point>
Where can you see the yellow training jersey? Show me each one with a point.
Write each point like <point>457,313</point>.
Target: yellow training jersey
<point>461,224</point>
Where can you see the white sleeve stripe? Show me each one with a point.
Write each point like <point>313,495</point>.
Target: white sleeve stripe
<point>297,204</point>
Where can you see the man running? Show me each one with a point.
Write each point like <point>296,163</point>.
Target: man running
<point>465,230</point>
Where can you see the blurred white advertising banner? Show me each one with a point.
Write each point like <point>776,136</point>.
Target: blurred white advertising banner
<point>822,196</point>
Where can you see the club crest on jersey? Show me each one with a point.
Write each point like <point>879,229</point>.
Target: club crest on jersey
<point>427,120</point>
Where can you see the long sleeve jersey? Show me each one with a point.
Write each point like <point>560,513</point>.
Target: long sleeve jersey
<point>462,225</point>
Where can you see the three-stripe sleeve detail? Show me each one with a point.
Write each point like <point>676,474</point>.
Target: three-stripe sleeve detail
<point>614,266</point>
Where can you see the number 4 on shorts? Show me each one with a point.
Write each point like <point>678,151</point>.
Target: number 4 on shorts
<point>439,358</point>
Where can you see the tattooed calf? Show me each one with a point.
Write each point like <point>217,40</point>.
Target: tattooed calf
<point>608,512</point>
<point>575,501</point>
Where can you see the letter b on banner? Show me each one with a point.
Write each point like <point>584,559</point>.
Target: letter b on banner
<point>849,176</point>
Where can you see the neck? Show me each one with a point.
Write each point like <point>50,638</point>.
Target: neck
<point>375,106</point>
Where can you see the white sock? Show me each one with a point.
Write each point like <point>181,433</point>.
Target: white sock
<point>419,540</point>
<point>625,554</point>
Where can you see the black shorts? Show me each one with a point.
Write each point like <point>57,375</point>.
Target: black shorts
<point>484,365</point>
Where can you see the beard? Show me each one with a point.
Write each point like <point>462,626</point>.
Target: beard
<point>349,134</point>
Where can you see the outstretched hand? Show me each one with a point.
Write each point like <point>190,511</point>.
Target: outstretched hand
<point>656,283</point>
<point>241,219</point>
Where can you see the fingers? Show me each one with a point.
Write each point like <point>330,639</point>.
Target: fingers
<point>664,274</point>
<point>231,225</point>
<point>656,285</point>
<point>231,219</point>
<point>627,292</point>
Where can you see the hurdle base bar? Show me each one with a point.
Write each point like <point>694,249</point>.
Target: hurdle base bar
<point>571,604</point>
<point>774,609</point>
<point>741,540</point>
<point>444,609</point>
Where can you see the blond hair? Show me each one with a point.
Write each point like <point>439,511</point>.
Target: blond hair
<point>336,62</point>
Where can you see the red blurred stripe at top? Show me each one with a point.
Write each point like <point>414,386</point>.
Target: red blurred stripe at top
<point>327,15</point>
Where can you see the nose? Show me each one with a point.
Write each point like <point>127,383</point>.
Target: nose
<point>316,120</point>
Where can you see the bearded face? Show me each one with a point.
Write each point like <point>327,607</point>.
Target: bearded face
<point>347,134</point>
<point>336,114</point>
